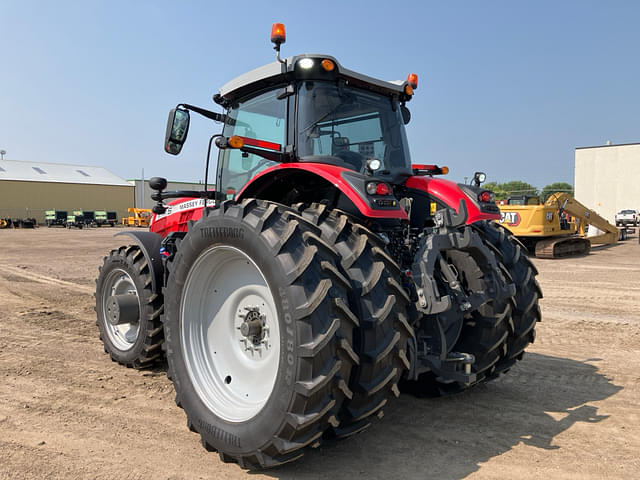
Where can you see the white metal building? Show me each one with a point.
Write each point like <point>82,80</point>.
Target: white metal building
<point>607,178</point>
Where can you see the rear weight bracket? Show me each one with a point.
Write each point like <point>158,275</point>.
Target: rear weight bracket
<point>442,299</point>
<point>450,235</point>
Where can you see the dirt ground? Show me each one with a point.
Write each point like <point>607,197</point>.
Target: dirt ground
<point>571,409</point>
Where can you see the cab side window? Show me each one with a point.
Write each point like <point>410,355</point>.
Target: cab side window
<point>261,121</point>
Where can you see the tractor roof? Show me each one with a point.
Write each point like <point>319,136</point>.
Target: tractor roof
<point>276,72</point>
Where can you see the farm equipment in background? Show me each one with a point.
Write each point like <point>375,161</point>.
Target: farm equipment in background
<point>55,218</point>
<point>75,219</point>
<point>140,218</point>
<point>89,218</point>
<point>28,223</point>
<point>326,272</point>
<point>105,218</point>
<point>112,218</point>
<point>18,223</point>
<point>100,218</point>
<point>558,227</point>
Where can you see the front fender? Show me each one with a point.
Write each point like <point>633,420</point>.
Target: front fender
<point>149,244</point>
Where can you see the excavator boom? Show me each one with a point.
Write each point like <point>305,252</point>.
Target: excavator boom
<point>610,233</point>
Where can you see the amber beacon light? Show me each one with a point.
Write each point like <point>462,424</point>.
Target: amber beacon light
<point>278,35</point>
<point>412,79</point>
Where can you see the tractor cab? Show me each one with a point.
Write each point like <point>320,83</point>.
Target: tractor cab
<point>311,109</point>
<point>306,110</point>
<point>306,129</point>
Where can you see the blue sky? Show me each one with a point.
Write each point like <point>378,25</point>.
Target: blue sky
<point>509,87</point>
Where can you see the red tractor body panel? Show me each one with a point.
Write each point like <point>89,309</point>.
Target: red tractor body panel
<point>182,210</point>
<point>332,174</point>
<point>176,218</point>
<point>449,193</point>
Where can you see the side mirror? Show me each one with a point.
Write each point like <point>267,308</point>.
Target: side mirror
<point>478,178</point>
<point>177,130</point>
<point>158,183</point>
<point>406,114</point>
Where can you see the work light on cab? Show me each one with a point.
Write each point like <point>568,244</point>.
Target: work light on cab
<point>373,164</point>
<point>305,63</point>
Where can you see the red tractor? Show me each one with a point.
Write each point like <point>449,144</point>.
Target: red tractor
<point>323,274</point>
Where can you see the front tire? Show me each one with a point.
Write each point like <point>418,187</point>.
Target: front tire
<point>256,403</point>
<point>128,311</point>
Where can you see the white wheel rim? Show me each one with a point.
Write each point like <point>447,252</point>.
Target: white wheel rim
<point>232,374</point>
<point>124,335</point>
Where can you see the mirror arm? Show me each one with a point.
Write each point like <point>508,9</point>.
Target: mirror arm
<point>218,117</point>
<point>273,156</point>
<point>159,196</point>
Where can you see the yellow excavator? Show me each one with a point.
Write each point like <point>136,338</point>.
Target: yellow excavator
<point>558,227</point>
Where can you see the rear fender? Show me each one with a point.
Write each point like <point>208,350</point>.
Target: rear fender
<point>450,193</point>
<point>149,244</point>
<point>282,183</point>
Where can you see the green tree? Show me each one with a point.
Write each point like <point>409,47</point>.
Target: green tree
<point>518,187</point>
<point>556,187</point>
<point>497,189</point>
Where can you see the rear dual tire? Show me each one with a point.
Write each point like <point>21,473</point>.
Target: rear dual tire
<point>522,273</point>
<point>303,382</point>
<point>380,303</point>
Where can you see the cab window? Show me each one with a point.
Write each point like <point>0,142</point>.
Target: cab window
<point>261,121</point>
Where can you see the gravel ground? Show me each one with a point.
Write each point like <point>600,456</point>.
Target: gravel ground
<point>570,409</point>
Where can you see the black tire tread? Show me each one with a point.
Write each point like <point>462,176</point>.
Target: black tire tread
<point>380,301</point>
<point>527,311</point>
<point>486,329</point>
<point>320,395</point>
<point>150,352</point>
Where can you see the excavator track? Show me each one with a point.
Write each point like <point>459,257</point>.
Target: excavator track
<point>562,247</point>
